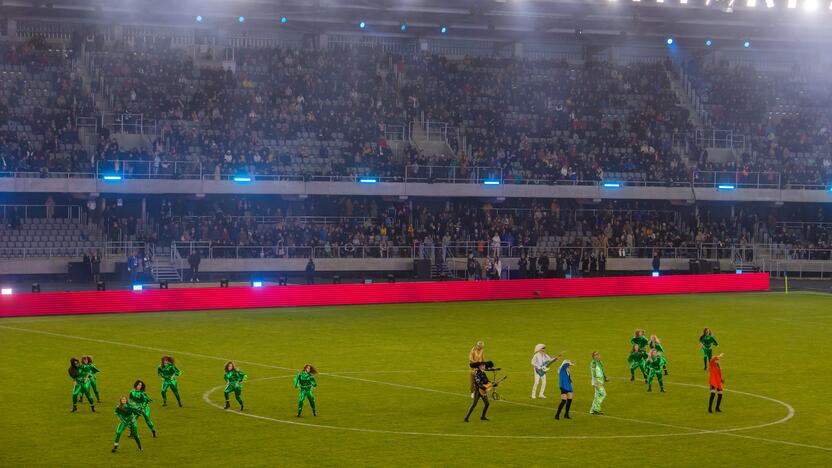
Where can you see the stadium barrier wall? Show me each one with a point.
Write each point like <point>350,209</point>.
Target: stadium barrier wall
<point>204,298</point>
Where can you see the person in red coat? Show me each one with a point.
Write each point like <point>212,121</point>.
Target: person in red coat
<point>715,381</point>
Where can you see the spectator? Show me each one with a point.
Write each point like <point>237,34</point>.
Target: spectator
<point>310,272</point>
<point>194,259</point>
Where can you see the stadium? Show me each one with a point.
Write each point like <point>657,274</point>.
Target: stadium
<point>441,233</point>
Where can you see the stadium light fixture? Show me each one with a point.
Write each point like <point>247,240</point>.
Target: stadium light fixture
<point>751,3</point>
<point>659,1</point>
<point>257,284</point>
<point>830,6</point>
<point>655,274</point>
<point>112,177</point>
<point>6,291</point>
<point>738,271</point>
<point>709,43</point>
<point>137,287</point>
<point>726,186</point>
<point>368,180</point>
<point>683,2</point>
<point>612,184</point>
<point>199,18</point>
<point>791,4</point>
<point>362,25</point>
<point>746,44</point>
<point>403,27</point>
<point>284,20</point>
<point>669,41</point>
<point>241,19</point>
<point>491,182</point>
<point>830,187</point>
<point>769,3</point>
<point>242,179</point>
<point>443,30</point>
<point>810,5</point>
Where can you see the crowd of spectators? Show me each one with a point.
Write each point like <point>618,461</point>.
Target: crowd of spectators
<point>347,227</point>
<point>784,117</point>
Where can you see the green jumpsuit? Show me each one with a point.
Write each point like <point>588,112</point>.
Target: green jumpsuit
<point>654,366</point>
<point>599,377</point>
<point>142,402</point>
<point>234,383</point>
<point>305,381</point>
<point>637,360</point>
<point>127,415</point>
<point>91,370</point>
<point>81,387</point>
<point>641,341</point>
<point>707,341</point>
<point>658,347</point>
<point>168,374</point>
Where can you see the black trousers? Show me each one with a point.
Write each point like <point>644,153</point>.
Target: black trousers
<point>477,397</point>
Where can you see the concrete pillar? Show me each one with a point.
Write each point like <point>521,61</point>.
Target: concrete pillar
<point>11,30</point>
<point>518,50</point>
<point>322,42</point>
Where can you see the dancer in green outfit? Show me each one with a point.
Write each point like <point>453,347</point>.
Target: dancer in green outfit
<point>656,344</point>
<point>140,398</point>
<point>127,414</point>
<point>81,384</point>
<point>168,372</point>
<point>599,378</point>
<point>305,381</point>
<point>233,383</point>
<point>88,367</point>
<point>707,340</point>
<point>639,339</point>
<point>637,360</point>
<point>655,362</point>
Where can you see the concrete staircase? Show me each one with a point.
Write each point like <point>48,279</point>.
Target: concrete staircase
<point>162,268</point>
<point>685,99</point>
<point>430,143</point>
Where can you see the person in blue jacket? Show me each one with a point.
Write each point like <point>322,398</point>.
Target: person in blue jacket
<point>565,380</point>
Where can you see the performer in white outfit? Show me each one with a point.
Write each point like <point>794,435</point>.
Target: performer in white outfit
<point>540,363</point>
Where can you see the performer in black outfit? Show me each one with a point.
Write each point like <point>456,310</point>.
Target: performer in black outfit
<point>482,384</point>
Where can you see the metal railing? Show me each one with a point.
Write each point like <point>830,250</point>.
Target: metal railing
<point>268,220</point>
<point>22,212</point>
<point>691,252</point>
<point>105,249</point>
<point>130,169</point>
<point>191,170</point>
<point>726,139</point>
<point>737,179</point>
<point>452,174</point>
<point>396,132</point>
<point>134,124</point>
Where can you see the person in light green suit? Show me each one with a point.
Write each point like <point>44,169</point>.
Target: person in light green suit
<point>599,378</point>
<point>305,381</point>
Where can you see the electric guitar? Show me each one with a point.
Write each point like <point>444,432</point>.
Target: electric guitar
<point>484,390</point>
<point>542,370</point>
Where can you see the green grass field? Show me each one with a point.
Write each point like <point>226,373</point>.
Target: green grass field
<point>394,386</point>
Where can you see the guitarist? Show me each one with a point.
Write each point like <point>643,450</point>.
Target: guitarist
<point>540,363</point>
<point>482,386</point>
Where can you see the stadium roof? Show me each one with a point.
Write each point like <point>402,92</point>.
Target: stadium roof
<point>597,21</point>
